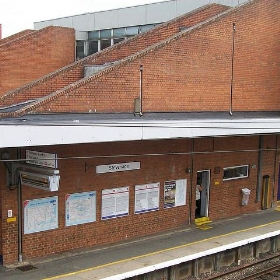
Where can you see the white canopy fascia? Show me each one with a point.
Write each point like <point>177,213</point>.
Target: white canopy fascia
<point>24,135</point>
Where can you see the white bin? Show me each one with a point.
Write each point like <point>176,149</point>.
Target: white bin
<point>246,194</point>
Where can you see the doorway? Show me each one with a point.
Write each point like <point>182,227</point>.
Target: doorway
<point>202,206</point>
<point>278,192</point>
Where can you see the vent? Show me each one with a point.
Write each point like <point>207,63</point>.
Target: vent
<point>90,70</point>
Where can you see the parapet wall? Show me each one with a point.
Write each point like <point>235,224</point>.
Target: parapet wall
<point>214,264</point>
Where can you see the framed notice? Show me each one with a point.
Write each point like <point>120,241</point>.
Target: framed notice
<point>146,198</point>
<point>80,208</point>
<point>175,193</point>
<point>115,203</point>
<point>40,214</point>
<point>41,159</point>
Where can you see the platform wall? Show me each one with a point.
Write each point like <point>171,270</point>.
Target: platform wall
<point>159,162</point>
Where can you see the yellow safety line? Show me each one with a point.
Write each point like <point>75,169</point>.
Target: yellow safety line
<point>157,252</point>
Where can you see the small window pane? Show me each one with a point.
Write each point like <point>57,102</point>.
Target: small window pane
<point>145,28</point>
<point>104,34</point>
<point>118,40</point>
<point>93,47</point>
<point>93,35</point>
<point>105,44</point>
<point>80,50</point>
<point>119,32</point>
<point>235,172</point>
<point>131,31</point>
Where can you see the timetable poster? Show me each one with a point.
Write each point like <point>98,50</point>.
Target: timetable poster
<point>115,203</point>
<point>146,198</point>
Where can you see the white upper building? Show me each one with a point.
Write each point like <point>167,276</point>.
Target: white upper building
<point>99,30</point>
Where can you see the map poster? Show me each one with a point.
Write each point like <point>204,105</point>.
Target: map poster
<point>80,208</point>
<point>115,203</point>
<point>146,198</point>
<point>40,214</point>
<point>175,193</point>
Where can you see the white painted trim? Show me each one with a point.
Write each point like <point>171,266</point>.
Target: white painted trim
<point>24,135</point>
<point>177,261</point>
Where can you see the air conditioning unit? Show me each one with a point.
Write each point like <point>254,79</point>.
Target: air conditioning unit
<point>47,182</point>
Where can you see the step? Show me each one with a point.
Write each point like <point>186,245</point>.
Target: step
<point>202,221</point>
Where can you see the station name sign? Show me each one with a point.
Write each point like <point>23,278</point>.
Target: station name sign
<point>118,167</point>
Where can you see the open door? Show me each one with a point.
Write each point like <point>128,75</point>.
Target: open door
<point>278,192</point>
<point>203,177</point>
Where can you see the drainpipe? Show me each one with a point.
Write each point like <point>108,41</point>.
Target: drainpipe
<point>259,179</point>
<point>141,90</point>
<point>19,194</point>
<point>275,171</point>
<point>232,64</point>
<point>19,202</point>
<point>191,181</point>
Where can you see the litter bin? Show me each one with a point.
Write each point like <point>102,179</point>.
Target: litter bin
<point>245,198</point>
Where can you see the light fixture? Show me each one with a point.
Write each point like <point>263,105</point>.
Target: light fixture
<point>5,155</point>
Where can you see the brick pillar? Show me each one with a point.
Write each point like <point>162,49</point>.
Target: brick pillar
<point>8,225</point>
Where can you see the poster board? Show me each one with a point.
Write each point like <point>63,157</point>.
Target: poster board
<point>175,192</point>
<point>115,203</point>
<point>80,208</point>
<point>146,198</point>
<point>40,214</point>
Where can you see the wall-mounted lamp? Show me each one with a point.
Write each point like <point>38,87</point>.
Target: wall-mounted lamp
<point>217,170</point>
<point>5,155</point>
<point>188,170</point>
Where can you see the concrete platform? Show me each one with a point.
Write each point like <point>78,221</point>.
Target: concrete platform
<point>127,259</point>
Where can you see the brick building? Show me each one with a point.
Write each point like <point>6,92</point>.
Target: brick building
<point>31,54</point>
<point>133,128</point>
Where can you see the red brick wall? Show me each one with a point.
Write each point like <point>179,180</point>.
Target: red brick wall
<point>74,72</point>
<point>27,57</point>
<point>16,36</point>
<point>78,175</point>
<point>2,183</point>
<point>226,196</point>
<point>193,72</point>
<point>160,161</point>
<point>8,229</point>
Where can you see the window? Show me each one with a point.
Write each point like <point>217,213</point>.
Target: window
<point>147,27</point>
<point>235,172</point>
<point>105,44</point>
<point>80,49</point>
<point>93,47</point>
<point>118,40</point>
<point>131,31</point>
<point>105,34</point>
<point>94,35</point>
<point>119,32</point>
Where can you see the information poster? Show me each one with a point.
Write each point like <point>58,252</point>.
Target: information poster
<point>147,197</point>
<point>40,214</point>
<point>115,203</point>
<point>80,208</point>
<point>175,193</point>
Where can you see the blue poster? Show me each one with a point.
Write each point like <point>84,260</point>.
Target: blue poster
<point>80,208</point>
<point>40,214</point>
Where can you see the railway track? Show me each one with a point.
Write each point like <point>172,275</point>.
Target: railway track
<point>267,268</point>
